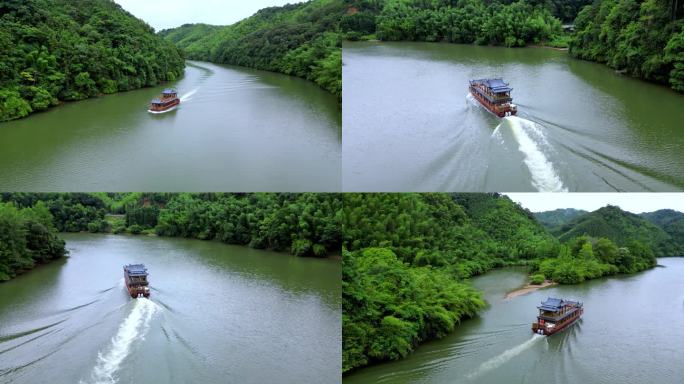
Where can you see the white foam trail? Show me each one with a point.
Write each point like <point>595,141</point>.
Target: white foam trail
<point>133,328</point>
<point>498,361</point>
<point>544,176</point>
<point>188,95</point>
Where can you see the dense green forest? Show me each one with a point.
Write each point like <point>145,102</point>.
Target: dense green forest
<point>303,224</point>
<point>643,38</point>
<point>407,258</point>
<point>301,40</point>
<point>55,50</point>
<point>494,22</point>
<point>27,237</point>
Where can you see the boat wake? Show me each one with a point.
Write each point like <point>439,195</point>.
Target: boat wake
<point>501,359</point>
<point>133,328</point>
<point>531,141</point>
<point>188,96</point>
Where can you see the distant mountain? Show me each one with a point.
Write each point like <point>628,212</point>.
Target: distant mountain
<point>670,221</point>
<point>558,217</point>
<point>296,39</point>
<point>621,227</point>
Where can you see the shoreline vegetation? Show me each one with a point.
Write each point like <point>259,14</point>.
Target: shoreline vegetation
<point>301,40</point>
<point>641,38</point>
<point>304,224</point>
<point>407,260</point>
<point>52,51</point>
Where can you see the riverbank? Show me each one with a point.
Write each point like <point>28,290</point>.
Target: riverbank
<point>529,288</point>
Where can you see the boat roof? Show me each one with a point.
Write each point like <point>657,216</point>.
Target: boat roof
<point>169,90</point>
<point>136,269</point>
<point>496,85</point>
<point>551,304</point>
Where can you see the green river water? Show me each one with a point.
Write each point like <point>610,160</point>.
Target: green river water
<point>631,332</point>
<point>217,314</point>
<point>410,125</point>
<point>237,130</point>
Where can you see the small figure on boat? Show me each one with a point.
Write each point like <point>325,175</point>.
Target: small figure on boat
<point>167,102</point>
<point>495,95</point>
<point>135,276</point>
<point>556,315</point>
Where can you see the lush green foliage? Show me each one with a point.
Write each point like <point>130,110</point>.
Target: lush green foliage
<point>537,279</point>
<point>27,237</point>
<point>303,224</point>
<point>296,39</point>
<point>390,306</point>
<point>644,38</point>
<point>53,50</point>
<point>620,227</point>
<point>512,24</point>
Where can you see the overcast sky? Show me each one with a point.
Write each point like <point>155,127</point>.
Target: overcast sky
<point>632,202</point>
<point>163,14</point>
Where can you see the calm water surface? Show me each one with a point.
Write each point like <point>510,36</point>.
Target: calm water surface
<point>630,333</point>
<point>409,124</point>
<point>217,314</point>
<point>236,130</point>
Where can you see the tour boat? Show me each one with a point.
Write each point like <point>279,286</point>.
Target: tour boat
<point>167,102</point>
<point>556,315</point>
<point>135,276</point>
<point>495,95</point>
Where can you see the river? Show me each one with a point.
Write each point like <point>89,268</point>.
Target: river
<point>631,332</point>
<point>217,314</point>
<point>580,127</point>
<point>237,130</point>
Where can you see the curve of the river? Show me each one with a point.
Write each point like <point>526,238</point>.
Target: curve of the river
<point>237,130</point>
<point>217,314</point>
<point>630,333</point>
<point>580,126</point>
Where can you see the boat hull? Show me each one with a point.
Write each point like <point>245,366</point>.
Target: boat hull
<point>172,106</point>
<point>508,111</point>
<point>560,326</point>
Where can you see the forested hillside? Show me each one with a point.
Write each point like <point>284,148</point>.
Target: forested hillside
<point>670,221</point>
<point>27,237</point>
<point>496,22</point>
<point>621,227</point>
<point>297,39</point>
<point>558,217</point>
<point>407,258</point>
<point>55,50</point>
<point>303,224</point>
<point>643,38</point>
